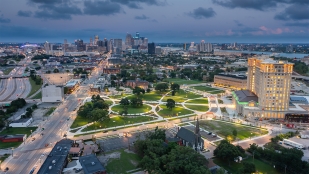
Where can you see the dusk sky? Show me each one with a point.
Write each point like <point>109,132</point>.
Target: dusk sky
<point>242,21</point>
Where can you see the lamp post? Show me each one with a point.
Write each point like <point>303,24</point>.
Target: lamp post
<point>12,150</point>
<point>31,133</point>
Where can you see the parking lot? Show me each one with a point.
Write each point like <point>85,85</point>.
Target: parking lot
<point>57,78</point>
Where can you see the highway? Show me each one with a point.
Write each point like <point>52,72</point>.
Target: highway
<point>31,153</point>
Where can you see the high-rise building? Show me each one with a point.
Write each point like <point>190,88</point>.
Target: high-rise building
<point>270,81</point>
<point>80,45</point>
<point>137,35</point>
<point>202,46</point>
<point>117,46</point>
<point>152,48</point>
<point>184,46</point>
<point>128,41</point>
<point>47,47</point>
<point>96,39</point>
<point>110,46</point>
<point>91,42</point>
<point>208,47</point>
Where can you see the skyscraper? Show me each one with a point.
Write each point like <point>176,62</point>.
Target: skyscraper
<point>91,42</point>
<point>128,41</point>
<point>184,46</point>
<point>151,48</point>
<point>270,80</point>
<point>96,39</point>
<point>202,46</point>
<point>47,47</point>
<point>80,45</point>
<point>118,46</point>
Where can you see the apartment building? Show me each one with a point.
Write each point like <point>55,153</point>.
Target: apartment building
<point>232,81</point>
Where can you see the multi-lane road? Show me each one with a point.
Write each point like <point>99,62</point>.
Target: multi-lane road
<point>13,88</point>
<point>31,154</point>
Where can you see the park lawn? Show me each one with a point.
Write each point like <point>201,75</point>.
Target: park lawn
<point>152,96</point>
<point>182,81</point>
<point>79,121</point>
<point>178,110</point>
<point>260,166</point>
<point>216,92</point>
<point>109,102</point>
<point>225,129</point>
<point>7,71</point>
<point>18,130</point>
<point>198,101</point>
<point>120,96</point>
<point>126,162</point>
<point>9,145</point>
<point>132,110</point>
<point>50,110</point>
<point>38,95</point>
<point>117,121</point>
<point>204,88</point>
<point>34,87</point>
<point>200,108</point>
<point>181,96</point>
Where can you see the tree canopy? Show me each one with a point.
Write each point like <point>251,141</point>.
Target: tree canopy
<point>170,103</point>
<point>161,87</point>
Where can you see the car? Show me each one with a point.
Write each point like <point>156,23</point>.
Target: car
<point>114,129</point>
<point>105,131</point>
<point>33,139</point>
<point>6,169</point>
<point>209,133</point>
<point>78,170</point>
<point>214,135</point>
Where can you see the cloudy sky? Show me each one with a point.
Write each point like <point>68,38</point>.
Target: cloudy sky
<point>246,21</point>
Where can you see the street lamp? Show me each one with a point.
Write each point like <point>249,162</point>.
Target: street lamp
<point>31,133</point>
<point>12,150</point>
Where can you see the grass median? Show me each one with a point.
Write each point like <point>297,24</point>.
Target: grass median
<point>34,87</point>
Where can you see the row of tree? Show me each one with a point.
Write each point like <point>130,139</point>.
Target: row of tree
<point>170,158</point>
<point>14,106</point>
<point>95,110</point>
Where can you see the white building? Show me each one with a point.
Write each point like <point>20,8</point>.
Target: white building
<point>304,134</point>
<point>52,93</point>
<point>23,122</point>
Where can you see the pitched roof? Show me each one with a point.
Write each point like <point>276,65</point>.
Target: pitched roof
<point>186,135</point>
<point>246,96</point>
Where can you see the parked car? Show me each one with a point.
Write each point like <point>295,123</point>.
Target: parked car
<point>209,133</point>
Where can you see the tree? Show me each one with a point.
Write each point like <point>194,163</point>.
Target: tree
<point>226,151</point>
<point>99,115</point>
<point>65,90</point>
<point>161,87</point>
<point>101,104</point>
<point>113,83</point>
<point>136,102</point>
<point>56,70</point>
<point>137,91</point>
<point>157,134</point>
<point>170,103</point>
<point>148,90</point>
<point>173,74</point>
<point>175,86</point>
<point>235,133</point>
<point>248,167</point>
<point>124,102</point>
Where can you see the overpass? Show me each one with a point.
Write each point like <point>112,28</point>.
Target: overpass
<point>8,103</point>
<point>300,77</point>
<point>14,76</point>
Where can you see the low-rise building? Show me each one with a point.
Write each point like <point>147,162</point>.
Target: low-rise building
<point>191,139</point>
<point>57,158</point>
<point>13,138</point>
<point>52,93</point>
<point>233,81</point>
<point>304,134</point>
<point>91,165</point>
<point>244,98</point>
<point>137,83</point>
<point>111,70</point>
<point>23,122</point>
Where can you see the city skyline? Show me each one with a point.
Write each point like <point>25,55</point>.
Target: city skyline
<point>263,21</point>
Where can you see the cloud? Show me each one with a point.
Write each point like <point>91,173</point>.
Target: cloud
<point>201,13</point>
<point>62,10</point>
<point>46,1</point>
<point>153,20</point>
<point>4,20</point>
<point>136,3</point>
<point>105,8</point>
<point>24,13</point>
<point>247,4</point>
<point>294,12</point>
<point>238,23</point>
<point>142,17</point>
<point>298,24</point>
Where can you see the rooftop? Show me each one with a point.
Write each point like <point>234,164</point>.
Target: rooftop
<point>246,96</point>
<point>186,134</point>
<point>22,120</point>
<point>55,161</point>
<point>234,76</point>
<point>299,100</point>
<point>91,164</point>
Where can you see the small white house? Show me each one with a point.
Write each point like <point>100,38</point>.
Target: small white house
<point>23,122</point>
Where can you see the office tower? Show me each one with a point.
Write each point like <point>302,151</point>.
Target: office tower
<point>158,50</point>
<point>151,48</point>
<point>208,47</point>
<point>184,46</point>
<point>270,80</point>
<point>137,35</point>
<point>90,42</point>
<point>65,45</point>
<point>117,46</point>
<point>80,45</point>
<point>202,46</point>
<point>96,39</point>
<point>145,42</point>
<point>128,41</point>
<point>110,46</point>
<point>47,47</point>
<point>192,44</point>
<point>100,43</point>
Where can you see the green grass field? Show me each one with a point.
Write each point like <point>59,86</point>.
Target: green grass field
<point>181,96</point>
<point>109,102</point>
<point>79,121</point>
<point>117,121</point>
<point>132,110</point>
<point>120,96</point>
<point>7,71</point>
<point>13,131</point>
<point>50,110</point>
<point>216,92</point>
<point>38,95</point>
<point>198,101</point>
<point>126,162</point>
<point>225,129</point>
<point>200,108</point>
<point>183,81</point>
<point>34,87</point>
<point>260,166</point>
<point>152,96</point>
<point>178,110</point>
<point>204,88</point>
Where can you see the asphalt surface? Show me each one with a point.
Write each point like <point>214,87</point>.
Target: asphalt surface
<point>29,155</point>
